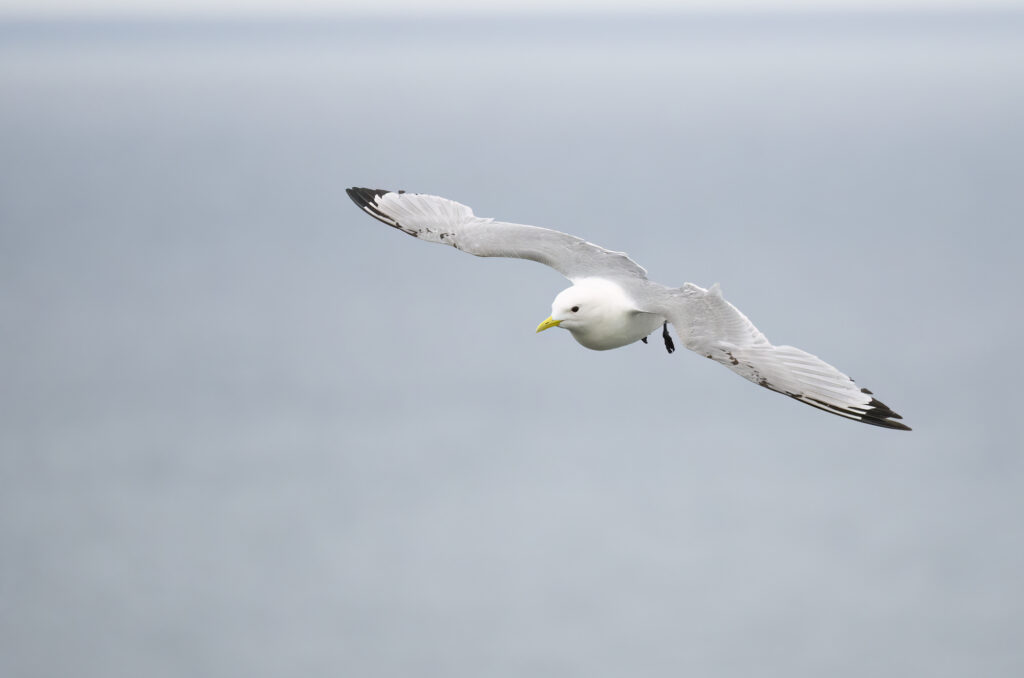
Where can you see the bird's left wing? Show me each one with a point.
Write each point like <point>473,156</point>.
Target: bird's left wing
<point>435,219</point>
<point>711,326</point>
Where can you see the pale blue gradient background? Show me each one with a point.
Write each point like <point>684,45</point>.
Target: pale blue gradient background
<point>246,430</point>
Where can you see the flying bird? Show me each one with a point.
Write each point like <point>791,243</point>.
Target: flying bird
<point>611,303</point>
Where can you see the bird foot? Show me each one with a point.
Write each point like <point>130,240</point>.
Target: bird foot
<point>669,345</point>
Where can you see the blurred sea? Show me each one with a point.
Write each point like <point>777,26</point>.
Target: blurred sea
<point>246,430</point>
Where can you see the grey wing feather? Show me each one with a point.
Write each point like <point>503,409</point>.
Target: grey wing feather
<point>435,219</point>
<point>711,326</point>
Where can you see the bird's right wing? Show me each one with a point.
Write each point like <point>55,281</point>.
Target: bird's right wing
<point>435,219</point>
<point>711,326</point>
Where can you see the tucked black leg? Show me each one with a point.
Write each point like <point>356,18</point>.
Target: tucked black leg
<point>669,346</point>
<point>643,339</point>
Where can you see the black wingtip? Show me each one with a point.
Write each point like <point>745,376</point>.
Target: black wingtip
<point>366,200</point>
<point>879,414</point>
<point>365,197</point>
<point>876,413</point>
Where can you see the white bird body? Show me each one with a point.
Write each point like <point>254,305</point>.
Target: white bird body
<point>612,303</point>
<point>606,316</point>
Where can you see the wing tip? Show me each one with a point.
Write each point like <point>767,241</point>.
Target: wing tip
<point>875,412</point>
<point>367,199</point>
<point>880,414</point>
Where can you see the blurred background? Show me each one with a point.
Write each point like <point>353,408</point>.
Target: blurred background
<point>247,430</point>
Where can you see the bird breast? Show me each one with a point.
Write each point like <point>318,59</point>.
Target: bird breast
<point>617,330</point>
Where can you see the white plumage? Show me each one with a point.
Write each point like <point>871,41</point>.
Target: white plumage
<point>612,303</point>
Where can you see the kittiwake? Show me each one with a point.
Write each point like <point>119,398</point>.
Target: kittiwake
<point>611,302</point>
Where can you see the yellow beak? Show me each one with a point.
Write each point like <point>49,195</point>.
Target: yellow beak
<point>548,324</point>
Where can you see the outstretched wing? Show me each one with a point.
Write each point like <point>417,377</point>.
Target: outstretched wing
<point>714,328</point>
<point>444,221</point>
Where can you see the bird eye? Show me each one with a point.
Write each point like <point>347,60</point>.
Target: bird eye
<point>575,308</point>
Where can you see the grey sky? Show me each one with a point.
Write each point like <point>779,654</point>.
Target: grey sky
<point>245,430</point>
<point>282,7</point>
